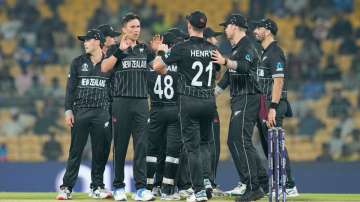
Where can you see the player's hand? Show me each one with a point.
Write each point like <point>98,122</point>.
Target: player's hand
<point>124,43</point>
<point>69,119</point>
<point>156,41</point>
<point>271,118</point>
<point>163,47</point>
<point>216,57</point>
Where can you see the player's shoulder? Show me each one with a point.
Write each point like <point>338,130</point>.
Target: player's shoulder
<point>80,58</point>
<point>182,44</point>
<point>112,49</point>
<point>251,42</point>
<point>210,45</point>
<point>179,47</point>
<point>276,49</point>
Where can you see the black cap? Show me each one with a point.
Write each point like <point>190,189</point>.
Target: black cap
<point>93,34</point>
<point>267,24</point>
<point>197,19</point>
<point>169,38</point>
<point>235,19</point>
<point>208,33</point>
<point>108,30</point>
<point>178,33</point>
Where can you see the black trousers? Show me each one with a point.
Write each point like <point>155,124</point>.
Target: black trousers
<point>263,132</point>
<point>160,165</point>
<point>95,122</point>
<point>183,176</point>
<point>163,125</point>
<point>244,115</point>
<point>211,152</point>
<point>130,116</point>
<point>196,115</point>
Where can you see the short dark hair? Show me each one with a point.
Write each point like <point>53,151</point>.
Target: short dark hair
<point>128,17</point>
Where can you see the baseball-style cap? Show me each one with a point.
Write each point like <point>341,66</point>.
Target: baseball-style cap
<point>267,24</point>
<point>93,34</point>
<point>208,33</point>
<point>197,19</point>
<point>169,38</point>
<point>235,19</point>
<point>108,30</point>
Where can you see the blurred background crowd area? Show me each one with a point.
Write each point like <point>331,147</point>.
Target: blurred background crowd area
<point>321,39</point>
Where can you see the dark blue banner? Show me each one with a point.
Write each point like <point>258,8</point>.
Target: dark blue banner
<point>310,177</point>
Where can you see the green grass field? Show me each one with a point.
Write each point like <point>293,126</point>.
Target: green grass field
<point>50,196</point>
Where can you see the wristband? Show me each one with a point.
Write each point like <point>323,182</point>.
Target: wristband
<point>119,54</point>
<point>274,105</point>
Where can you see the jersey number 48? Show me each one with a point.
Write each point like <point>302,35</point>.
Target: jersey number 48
<point>168,90</point>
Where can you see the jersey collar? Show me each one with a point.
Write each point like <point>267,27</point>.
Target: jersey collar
<point>273,43</point>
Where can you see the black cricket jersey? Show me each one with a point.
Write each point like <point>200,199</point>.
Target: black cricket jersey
<point>129,79</point>
<point>87,86</point>
<point>272,65</point>
<point>163,88</point>
<point>196,71</point>
<point>243,80</point>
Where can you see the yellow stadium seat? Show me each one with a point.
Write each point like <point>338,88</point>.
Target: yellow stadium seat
<point>344,62</point>
<point>8,46</point>
<point>113,5</point>
<point>351,96</point>
<point>44,9</point>
<point>11,3</point>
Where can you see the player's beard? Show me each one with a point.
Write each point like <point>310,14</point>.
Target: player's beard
<point>260,37</point>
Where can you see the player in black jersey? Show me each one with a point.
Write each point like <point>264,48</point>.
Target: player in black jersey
<point>241,75</point>
<point>86,112</point>
<point>110,36</point>
<point>196,94</point>
<point>129,61</point>
<point>164,127</point>
<point>211,168</point>
<point>272,75</point>
<point>183,181</point>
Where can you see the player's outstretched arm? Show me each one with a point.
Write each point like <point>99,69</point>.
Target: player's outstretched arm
<point>159,64</point>
<point>242,65</point>
<point>119,54</point>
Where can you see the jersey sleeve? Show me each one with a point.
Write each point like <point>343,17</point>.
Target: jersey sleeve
<point>174,55</point>
<point>245,58</point>
<point>277,64</point>
<point>111,50</point>
<point>150,54</point>
<point>71,86</point>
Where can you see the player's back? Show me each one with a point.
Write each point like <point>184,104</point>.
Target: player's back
<point>163,88</point>
<point>195,68</point>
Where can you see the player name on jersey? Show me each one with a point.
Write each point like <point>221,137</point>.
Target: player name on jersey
<point>135,64</point>
<point>172,68</point>
<point>201,53</point>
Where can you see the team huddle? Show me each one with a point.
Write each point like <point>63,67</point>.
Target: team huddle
<point>176,141</point>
